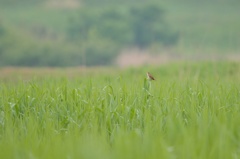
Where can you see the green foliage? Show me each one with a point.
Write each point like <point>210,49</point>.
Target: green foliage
<point>139,26</point>
<point>192,112</point>
<point>17,49</point>
<point>37,33</point>
<point>20,3</point>
<point>147,24</point>
<point>99,53</point>
<point>2,30</point>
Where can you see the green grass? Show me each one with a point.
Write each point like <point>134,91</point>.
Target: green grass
<point>190,111</point>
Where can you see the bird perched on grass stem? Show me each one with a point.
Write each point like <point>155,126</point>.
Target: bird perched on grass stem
<point>150,77</point>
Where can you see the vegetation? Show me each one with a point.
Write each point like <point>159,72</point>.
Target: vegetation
<point>38,33</point>
<point>190,111</point>
<point>94,36</point>
<point>134,26</point>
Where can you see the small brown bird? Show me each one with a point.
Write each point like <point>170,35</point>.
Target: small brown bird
<point>150,77</point>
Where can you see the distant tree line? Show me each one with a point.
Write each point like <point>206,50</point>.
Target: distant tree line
<point>139,26</point>
<point>111,29</point>
<point>94,36</point>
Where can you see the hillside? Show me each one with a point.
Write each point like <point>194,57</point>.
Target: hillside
<point>206,27</point>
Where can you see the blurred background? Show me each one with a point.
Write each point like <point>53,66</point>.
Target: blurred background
<point>61,33</point>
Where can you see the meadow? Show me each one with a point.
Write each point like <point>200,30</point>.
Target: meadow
<point>190,111</point>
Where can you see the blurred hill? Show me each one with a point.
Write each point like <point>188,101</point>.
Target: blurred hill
<point>95,32</point>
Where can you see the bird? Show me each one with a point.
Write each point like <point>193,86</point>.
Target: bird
<point>150,77</point>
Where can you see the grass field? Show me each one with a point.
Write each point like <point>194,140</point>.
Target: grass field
<point>191,111</point>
